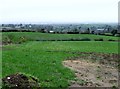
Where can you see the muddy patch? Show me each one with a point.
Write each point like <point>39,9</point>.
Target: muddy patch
<point>93,74</point>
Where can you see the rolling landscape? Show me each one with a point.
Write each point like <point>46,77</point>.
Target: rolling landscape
<point>61,60</point>
<point>59,44</point>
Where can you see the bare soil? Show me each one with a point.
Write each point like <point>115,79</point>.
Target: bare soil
<point>92,72</point>
<point>20,81</point>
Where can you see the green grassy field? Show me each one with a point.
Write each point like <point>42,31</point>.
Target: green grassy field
<point>43,59</point>
<point>16,37</point>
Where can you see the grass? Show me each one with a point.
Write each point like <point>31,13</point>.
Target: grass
<point>36,36</point>
<point>76,46</point>
<point>43,59</point>
<point>47,66</point>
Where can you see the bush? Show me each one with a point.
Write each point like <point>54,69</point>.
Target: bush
<point>111,40</point>
<point>72,39</point>
<point>100,39</point>
<point>78,39</point>
<point>85,39</point>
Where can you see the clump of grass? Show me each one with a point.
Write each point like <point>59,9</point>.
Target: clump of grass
<point>7,40</point>
<point>22,40</point>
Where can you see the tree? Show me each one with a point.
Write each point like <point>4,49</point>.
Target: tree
<point>88,31</point>
<point>113,32</point>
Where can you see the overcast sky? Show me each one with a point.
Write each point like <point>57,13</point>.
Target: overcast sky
<point>58,11</point>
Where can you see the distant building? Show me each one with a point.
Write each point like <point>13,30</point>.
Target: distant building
<point>51,32</point>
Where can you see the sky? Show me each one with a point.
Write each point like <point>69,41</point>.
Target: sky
<point>58,11</point>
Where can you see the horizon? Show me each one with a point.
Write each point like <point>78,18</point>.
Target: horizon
<point>60,23</point>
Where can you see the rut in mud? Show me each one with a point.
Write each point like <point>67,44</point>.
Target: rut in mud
<point>91,72</point>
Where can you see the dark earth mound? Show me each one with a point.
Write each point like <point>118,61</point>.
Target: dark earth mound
<point>20,81</point>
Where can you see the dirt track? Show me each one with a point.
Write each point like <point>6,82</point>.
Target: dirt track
<point>92,74</point>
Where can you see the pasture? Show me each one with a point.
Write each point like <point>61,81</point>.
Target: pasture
<point>43,59</point>
<point>18,37</point>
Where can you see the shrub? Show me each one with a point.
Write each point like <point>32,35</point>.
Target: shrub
<point>85,39</point>
<point>111,40</point>
<point>78,39</point>
<point>99,39</point>
<point>72,39</point>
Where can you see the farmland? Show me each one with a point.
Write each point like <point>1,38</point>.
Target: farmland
<point>42,54</point>
<point>16,37</point>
